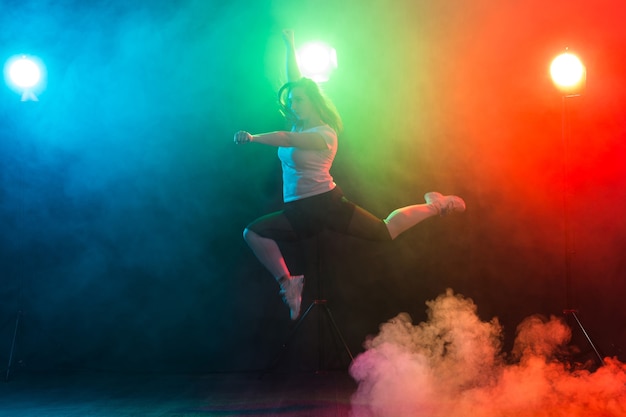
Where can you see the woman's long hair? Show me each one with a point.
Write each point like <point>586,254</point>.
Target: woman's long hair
<point>325,108</point>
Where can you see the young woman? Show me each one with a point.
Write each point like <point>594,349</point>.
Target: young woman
<point>312,200</point>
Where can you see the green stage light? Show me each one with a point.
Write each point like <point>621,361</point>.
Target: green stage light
<point>317,61</point>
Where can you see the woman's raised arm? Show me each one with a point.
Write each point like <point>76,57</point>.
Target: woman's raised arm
<point>291,62</point>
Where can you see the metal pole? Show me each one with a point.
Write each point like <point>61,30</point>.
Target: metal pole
<point>593,346</point>
<point>17,325</point>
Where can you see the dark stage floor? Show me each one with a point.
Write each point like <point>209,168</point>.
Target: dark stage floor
<point>104,394</point>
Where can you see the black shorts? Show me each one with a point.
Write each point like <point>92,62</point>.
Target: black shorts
<point>304,218</point>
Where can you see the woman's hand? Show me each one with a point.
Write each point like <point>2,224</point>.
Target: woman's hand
<point>242,137</point>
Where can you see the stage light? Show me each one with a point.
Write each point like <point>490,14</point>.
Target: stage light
<point>317,61</point>
<point>570,76</point>
<point>568,73</point>
<point>25,75</point>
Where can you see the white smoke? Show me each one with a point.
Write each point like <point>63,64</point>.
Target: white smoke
<point>453,365</point>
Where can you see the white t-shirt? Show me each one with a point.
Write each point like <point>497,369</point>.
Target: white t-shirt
<point>307,172</point>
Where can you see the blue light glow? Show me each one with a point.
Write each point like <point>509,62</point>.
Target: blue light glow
<point>25,75</point>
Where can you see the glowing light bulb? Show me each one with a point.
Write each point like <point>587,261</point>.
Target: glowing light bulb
<point>24,73</point>
<point>567,71</point>
<point>317,61</point>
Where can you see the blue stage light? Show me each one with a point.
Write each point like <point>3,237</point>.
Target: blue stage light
<point>25,75</point>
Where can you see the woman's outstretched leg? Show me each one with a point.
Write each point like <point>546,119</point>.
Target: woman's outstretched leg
<point>404,218</point>
<point>268,253</point>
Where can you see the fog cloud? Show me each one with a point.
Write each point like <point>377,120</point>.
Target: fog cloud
<point>453,365</point>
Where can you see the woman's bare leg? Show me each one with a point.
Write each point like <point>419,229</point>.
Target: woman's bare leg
<point>404,218</point>
<point>269,254</point>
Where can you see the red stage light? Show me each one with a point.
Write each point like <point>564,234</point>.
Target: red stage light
<point>568,73</point>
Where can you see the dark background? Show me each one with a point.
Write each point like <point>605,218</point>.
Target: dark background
<point>123,198</point>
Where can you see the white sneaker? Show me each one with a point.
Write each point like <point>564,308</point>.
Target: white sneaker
<point>291,290</point>
<point>445,204</point>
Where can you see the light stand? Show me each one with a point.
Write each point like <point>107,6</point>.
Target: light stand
<point>569,75</point>
<point>26,75</point>
<point>321,302</point>
<point>19,298</point>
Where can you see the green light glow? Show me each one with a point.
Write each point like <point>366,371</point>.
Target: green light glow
<point>317,61</point>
